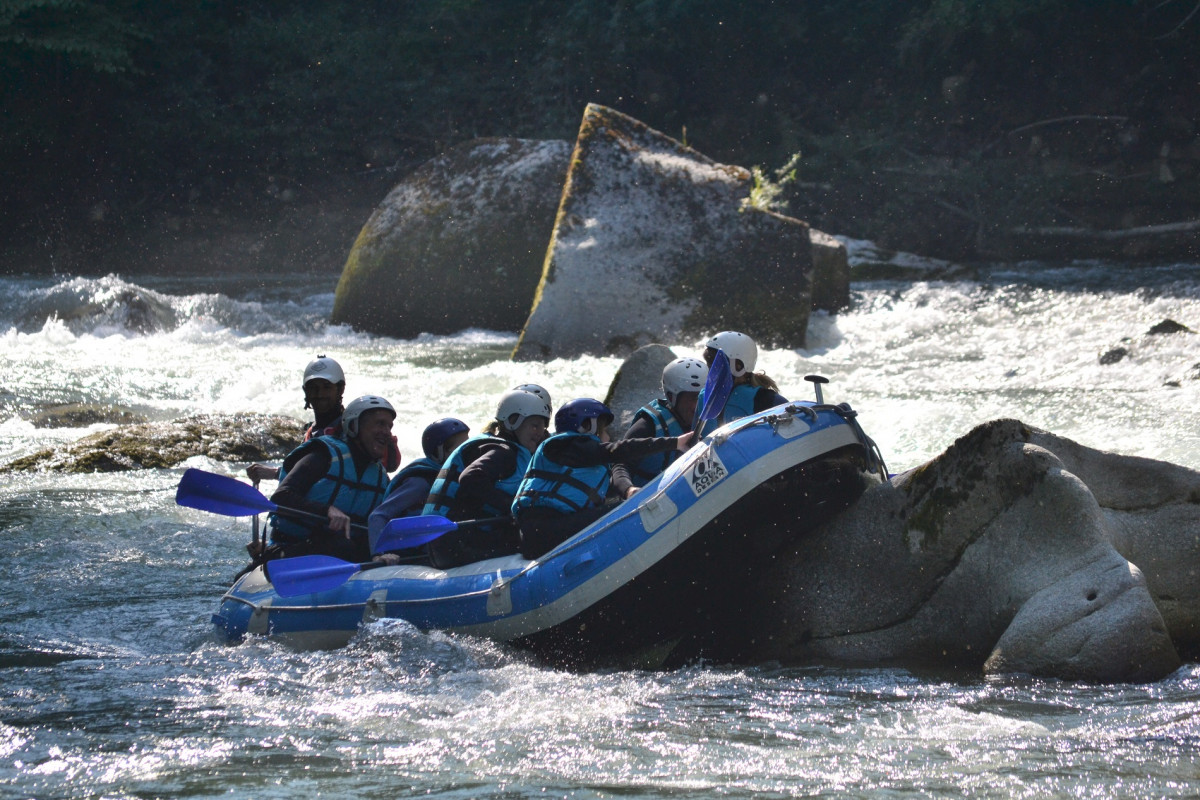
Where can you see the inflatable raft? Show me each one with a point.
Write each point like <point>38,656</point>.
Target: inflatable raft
<point>655,580</point>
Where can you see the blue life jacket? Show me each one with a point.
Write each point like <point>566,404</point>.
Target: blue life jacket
<point>355,495</point>
<point>445,488</point>
<point>548,484</point>
<point>740,403</point>
<point>665,424</point>
<point>425,469</point>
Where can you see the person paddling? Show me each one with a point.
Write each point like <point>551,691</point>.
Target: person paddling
<point>752,391</point>
<point>568,479</point>
<point>480,478</point>
<point>670,415</point>
<point>340,478</point>
<point>409,488</point>
<point>324,384</point>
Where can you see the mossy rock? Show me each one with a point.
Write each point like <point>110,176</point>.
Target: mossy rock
<point>458,244</point>
<point>156,445</point>
<point>80,415</point>
<point>655,242</point>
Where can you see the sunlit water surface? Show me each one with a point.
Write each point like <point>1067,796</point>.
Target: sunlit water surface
<point>111,687</point>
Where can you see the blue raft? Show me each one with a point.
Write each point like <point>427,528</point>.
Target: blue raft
<point>656,580</point>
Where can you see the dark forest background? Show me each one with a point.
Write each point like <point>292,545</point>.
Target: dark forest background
<point>944,127</point>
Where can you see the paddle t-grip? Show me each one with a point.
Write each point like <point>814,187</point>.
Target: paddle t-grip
<point>817,380</point>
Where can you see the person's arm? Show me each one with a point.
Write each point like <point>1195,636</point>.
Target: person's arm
<point>624,469</point>
<point>292,491</point>
<point>636,449</point>
<point>642,428</point>
<point>477,482</point>
<point>578,452</point>
<point>262,472</point>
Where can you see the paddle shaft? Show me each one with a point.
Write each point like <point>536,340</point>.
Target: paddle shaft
<point>254,524</point>
<point>221,494</point>
<point>301,513</point>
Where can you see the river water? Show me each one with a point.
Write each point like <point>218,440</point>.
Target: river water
<point>111,686</point>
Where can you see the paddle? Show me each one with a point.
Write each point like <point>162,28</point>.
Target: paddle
<point>221,494</point>
<point>254,524</point>
<point>228,496</point>
<point>307,574</point>
<point>403,532</point>
<point>716,391</point>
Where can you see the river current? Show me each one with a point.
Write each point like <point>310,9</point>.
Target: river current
<point>111,685</point>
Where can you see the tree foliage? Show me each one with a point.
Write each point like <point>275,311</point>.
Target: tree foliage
<point>137,102</point>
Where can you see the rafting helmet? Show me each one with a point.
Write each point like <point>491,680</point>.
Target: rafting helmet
<point>324,368</point>
<point>359,406</point>
<point>683,375</point>
<point>533,388</point>
<point>516,405</point>
<point>738,347</point>
<point>436,434</point>
<point>583,414</point>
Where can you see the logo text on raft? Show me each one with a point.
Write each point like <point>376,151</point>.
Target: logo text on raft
<point>706,473</point>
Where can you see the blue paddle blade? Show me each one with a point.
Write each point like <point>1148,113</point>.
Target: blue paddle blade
<point>716,390</point>
<point>308,574</point>
<point>404,532</point>
<point>220,494</point>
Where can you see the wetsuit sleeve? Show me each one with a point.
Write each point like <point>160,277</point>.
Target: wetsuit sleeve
<point>642,428</point>
<point>622,475</point>
<point>292,491</point>
<point>580,452</point>
<point>408,494</point>
<point>477,482</point>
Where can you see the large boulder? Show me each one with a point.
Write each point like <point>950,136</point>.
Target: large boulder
<point>1152,518</point>
<point>637,382</point>
<point>457,244</point>
<point>993,555</point>
<point>831,272</point>
<point>656,242</point>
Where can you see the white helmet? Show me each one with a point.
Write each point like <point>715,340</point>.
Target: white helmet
<point>516,405</point>
<point>738,347</point>
<point>324,368</point>
<point>683,375</point>
<point>533,388</point>
<point>360,406</point>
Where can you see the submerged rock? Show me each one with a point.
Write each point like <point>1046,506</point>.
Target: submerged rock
<point>229,437</point>
<point>80,415</point>
<point>85,305</point>
<point>656,242</point>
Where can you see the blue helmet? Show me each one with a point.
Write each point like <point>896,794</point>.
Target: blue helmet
<point>574,416</point>
<point>436,434</point>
